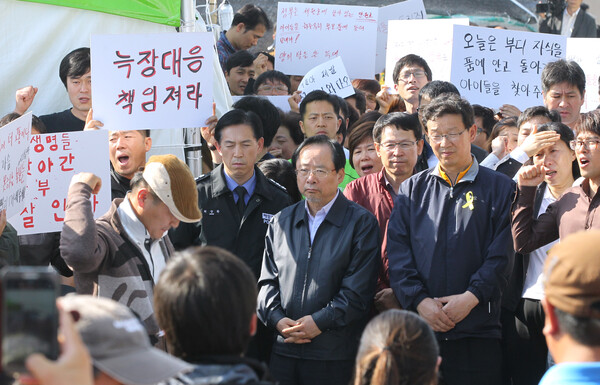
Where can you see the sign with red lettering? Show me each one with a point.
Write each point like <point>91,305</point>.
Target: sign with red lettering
<point>14,155</point>
<point>152,80</point>
<point>310,34</point>
<point>54,159</point>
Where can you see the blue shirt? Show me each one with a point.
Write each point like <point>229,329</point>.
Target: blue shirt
<point>225,50</point>
<point>249,186</point>
<point>315,222</point>
<point>583,373</point>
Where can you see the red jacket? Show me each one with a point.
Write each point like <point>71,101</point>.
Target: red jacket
<point>371,193</point>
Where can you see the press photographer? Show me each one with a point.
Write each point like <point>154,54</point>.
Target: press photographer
<point>569,18</point>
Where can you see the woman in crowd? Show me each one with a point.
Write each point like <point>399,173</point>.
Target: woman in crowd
<point>399,348</point>
<point>502,141</point>
<point>363,156</point>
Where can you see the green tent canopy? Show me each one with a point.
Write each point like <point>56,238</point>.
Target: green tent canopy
<point>156,11</point>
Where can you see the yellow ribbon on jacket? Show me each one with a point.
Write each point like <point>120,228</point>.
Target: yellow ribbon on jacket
<point>469,203</point>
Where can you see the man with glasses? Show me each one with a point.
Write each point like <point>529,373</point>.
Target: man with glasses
<point>398,142</point>
<point>319,273</point>
<point>448,244</point>
<point>577,208</point>
<point>272,83</point>
<point>411,73</point>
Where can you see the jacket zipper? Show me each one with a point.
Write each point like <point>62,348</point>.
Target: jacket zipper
<point>305,278</point>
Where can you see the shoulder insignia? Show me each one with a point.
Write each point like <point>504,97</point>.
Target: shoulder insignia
<point>277,185</point>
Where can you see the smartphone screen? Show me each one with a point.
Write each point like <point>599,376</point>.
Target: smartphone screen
<point>29,315</point>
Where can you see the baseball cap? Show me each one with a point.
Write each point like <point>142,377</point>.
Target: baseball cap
<point>118,342</point>
<point>572,274</point>
<point>173,183</point>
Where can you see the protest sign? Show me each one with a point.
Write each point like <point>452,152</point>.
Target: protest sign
<point>279,101</point>
<point>14,155</point>
<point>309,34</point>
<point>330,77</point>
<point>54,159</point>
<point>492,67</point>
<point>406,10</point>
<point>586,52</point>
<point>431,39</point>
<point>152,80</point>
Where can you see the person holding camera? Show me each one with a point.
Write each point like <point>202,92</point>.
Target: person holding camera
<point>568,18</point>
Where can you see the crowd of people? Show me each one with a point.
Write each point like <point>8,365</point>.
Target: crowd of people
<point>390,237</point>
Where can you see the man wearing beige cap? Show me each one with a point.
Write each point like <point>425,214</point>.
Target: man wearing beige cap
<point>572,309</point>
<point>121,255</point>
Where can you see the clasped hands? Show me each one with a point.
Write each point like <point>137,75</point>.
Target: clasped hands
<point>443,313</point>
<point>301,331</point>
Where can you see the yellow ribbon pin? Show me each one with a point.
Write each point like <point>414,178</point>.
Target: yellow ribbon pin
<point>469,203</point>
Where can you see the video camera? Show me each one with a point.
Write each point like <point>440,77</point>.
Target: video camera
<point>550,7</point>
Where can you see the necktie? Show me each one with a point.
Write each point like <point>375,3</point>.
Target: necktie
<point>241,203</point>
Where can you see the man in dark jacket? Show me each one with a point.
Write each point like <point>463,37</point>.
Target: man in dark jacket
<point>449,246</point>
<point>571,20</point>
<point>319,272</point>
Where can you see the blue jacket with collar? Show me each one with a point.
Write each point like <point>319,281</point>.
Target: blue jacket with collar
<point>444,240</point>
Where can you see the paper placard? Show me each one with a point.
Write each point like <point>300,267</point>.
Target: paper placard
<point>54,159</point>
<point>586,52</point>
<point>14,157</point>
<point>431,39</point>
<point>279,101</point>
<point>491,67</point>
<point>330,77</point>
<point>406,10</point>
<point>310,34</point>
<point>162,80</point>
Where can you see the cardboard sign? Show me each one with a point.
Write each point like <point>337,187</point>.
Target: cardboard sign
<point>310,34</point>
<point>406,10</point>
<point>431,39</point>
<point>586,52</point>
<point>153,80</point>
<point>14,156</point>
<point>496,66</point>
<point>330,77</point>
<point>54,159</point>
<point>279,101</point>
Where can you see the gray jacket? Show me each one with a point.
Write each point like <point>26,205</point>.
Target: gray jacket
<point>333,279</point>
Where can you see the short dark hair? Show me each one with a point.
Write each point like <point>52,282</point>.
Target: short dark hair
<point>251,16</point>
<point>447,104</point>
<point>235,117</point>
<point>270,57</point>
<point>35,121</point>
<point>204,300</point>
<point>487,116</point>
<point>435,88</point>
<point>345,113</point>
<point>318,95</point>
<point>511,121</point>
<point>291,121</point>
<point>239,59</point>
<point>400,121</point>
<point>589,122</point>
<point>584,330</point>
<point>273,75</point>
<point>360,99</point>
<point>282,172</point>
<point>337,151</point>
<point>411,60</point>
<point>266,112</point>
<point>534,111</point>
<point>369,85</point>
<point>566,135</point>
<point>75,64</point>
<point>359,133</point>
<point>563,71</point>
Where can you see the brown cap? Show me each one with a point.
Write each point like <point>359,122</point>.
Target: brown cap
<point>173,182</point>
<point>572,274</point>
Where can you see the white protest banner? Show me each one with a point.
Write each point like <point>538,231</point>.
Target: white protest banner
<point>492,67</point>
<point>586,52</point>
<point>14,156</point>
<point>279,101</point>
<point>406,10</point>
<point>309,34</point>
<point>54,159</point>
<point>431,39</point>
<point>160,80</point>
<point>330,77</point>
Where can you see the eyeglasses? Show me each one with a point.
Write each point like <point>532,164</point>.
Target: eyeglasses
<point>391,146</point>
<point>271,88</point>
<point>319,173</point>
<point>589,144</point>
<point>405,76</point>
<point>451,137</point>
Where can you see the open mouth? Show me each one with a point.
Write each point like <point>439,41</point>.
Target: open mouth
<point>367,168</point>
<point>550,173</point>
<point>123,159</point>
<point>84,100</point>
<point>413,88</point>
<point>583,162</point>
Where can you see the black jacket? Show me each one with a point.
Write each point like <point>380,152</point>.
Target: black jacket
<point>333,279</point>
<point>585,25</point>
<point>221,224</point>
